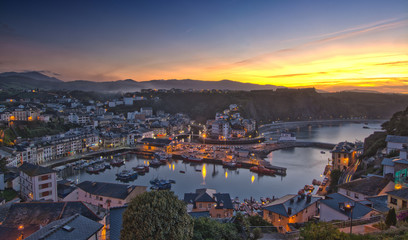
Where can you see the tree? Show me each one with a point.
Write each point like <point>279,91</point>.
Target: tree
<point>156,215</point>
<point>206,228</point>
<point>321,230</point>
<point>391,218</point>
<point>257,233</point>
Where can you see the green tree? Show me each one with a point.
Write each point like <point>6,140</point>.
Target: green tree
<point>391,218</point>
<point>256,233</point>
<point>156,215</point>
<point>258,221</point>
<point>334,179</point>
<point>206,228</point>
<point>321,230</point>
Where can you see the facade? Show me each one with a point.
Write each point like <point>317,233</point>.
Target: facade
<point>361,189</point>
<point>291,209</point>
<point>398,199</point>
<point>107,195</point>
<point>218,205</point>
<point>344,154</point>
<point>37,183</point>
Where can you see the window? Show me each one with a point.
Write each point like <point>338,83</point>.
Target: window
<point>356,195</point>
<point>393,201</point>
<point>347,193</point>
<point>44,194</point>
<point>45,177</point>
<point>101,198</point>
<point>209,205</point>
<point>200,205</point>
<point>45,185</point>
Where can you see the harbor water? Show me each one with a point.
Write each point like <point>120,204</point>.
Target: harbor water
<point>303,165</point>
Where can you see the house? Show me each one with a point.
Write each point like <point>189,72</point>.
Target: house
<point>378,203</point>
<point>362,188</point>
<point>343,155</point>
<point>287,137</point>
<point>395,143</point>
<point>388,166</point>
<point>66,192</point>
<point>218,205</point>
<point>289,209</point>
<point>2,185</point>
<point>334,207</point>
<point>27,218</point>
<point>38,183</point>
<point>398,199</point>
<point>107,195</point>
<point>75,227</point>
<point>114,222</point>
<point>147,111</point>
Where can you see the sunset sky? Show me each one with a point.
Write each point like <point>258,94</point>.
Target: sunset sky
<point>330,45</point>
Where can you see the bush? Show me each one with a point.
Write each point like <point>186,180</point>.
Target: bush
<point>391,218</point>
<point>206,228</point>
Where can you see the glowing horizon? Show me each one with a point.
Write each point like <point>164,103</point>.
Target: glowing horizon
<point>330,46</point>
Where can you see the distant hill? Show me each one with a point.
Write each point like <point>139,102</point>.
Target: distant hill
<point>30,80</point>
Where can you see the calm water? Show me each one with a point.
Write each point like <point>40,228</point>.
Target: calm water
<point>303,165</point>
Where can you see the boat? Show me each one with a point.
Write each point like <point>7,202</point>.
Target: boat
<point>126,175</point>
<point>181,171</point>
<point>92,170</point>
<point>141,169</point>
<point>161,184</point>
<point>155,163</point>
<point>322,152</point>
<point>230,165</point>
<point>365,127</point>
<point>117,162</point>
<point>262,170</point>
<point>194,159</point>
<point>107,166</point>
<point>309,188</point>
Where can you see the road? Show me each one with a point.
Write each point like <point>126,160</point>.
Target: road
<point>348,174</point>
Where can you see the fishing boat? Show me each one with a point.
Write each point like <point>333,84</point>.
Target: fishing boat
<point>92,170</point>
<point>161,184</point>
<point>107,166</point>
<point>181,171</point>
<point>141,169</point>
<point>322,152</point>
<point>262,170</point>
<point>126,175</point>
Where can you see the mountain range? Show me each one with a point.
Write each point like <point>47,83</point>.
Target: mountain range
<point>39,80</point>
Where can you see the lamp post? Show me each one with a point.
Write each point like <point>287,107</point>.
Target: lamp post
<point>350,206</point>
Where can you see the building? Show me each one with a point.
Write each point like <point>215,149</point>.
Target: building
<point>128,101</point>
<point>361,189</point>
<point>28,218</point>
<point>147,111</point>
<point>218,205</point>
<point>344,154</point>
<point>291,209</point>
<point>398,199</point>
<point>37,183</point>
<point>395,143</point>
<point>75,227</point>
<point>334,207</point>
<point>107,195</point>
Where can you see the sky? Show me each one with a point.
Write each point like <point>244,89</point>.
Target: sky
<point>330,45</point>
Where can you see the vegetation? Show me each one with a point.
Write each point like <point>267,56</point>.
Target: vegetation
<point>334,179</point>
<point>321,230</point>
<point>391,219</point>
<point>8,194</point>
<point>206,228</point>
<point>156,215</point>
<point>258,221</point>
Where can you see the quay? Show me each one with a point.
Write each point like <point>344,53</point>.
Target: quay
<point>270,147</point>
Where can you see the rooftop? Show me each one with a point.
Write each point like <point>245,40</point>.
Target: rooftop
<point>343,147</point>
<point>335,200</point>
<point>291,204</point>
<point>396,139</point>
<point>113,190</point>
<point>74,227</point>
<point>370,186</point>
<point>401,193</point>
<point>34,170</point>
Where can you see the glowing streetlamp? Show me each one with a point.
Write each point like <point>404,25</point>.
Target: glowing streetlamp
<point>349,206</point>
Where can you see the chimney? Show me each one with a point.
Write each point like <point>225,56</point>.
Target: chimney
<point>309,198</point>
<point>289,211</point>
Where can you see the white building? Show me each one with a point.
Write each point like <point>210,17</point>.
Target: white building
<point>395,143</point>
<point>128,100</point>
<point>37,183</point>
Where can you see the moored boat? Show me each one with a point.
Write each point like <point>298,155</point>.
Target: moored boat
<point>126,175</point>
<point>117,162</point>
<point>262,170</point>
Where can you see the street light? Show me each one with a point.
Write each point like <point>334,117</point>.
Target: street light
<point>350,206</point>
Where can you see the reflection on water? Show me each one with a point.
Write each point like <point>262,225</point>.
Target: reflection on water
<point>304,165</point>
